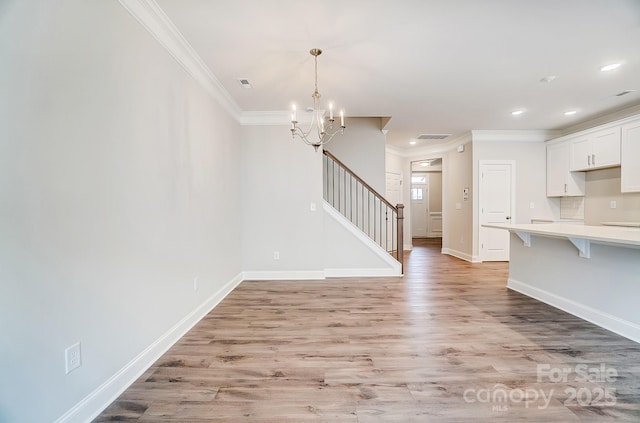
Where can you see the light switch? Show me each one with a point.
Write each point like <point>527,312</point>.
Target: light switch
<point>313,207</point>
<point>458,206</point>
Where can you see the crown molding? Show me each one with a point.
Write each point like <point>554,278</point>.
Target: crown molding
<point>149,14</point>
<point>513,136</point>
<point>440,148</point>
<point>476,136</point>
<point>596,121</point>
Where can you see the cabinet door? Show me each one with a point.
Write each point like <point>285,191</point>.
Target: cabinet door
<point>557,161</point>
<point>630,170</point>
<point>581,153</point>
<point>606,148</point>
<point>560,181</point>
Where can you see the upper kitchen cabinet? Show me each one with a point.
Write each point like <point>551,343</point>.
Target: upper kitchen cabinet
<point>596,150</point>
<point>560,181</point>
<point>630,170</point>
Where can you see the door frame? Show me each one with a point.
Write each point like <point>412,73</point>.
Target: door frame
<point>481,166</point>
<point>425,198</point>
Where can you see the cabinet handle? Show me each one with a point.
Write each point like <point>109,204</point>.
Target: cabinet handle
<point>593,159</point>
<point>588,160</point>
<point>565,187</point>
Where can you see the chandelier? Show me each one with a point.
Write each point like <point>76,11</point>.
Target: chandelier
<point>319,132</point>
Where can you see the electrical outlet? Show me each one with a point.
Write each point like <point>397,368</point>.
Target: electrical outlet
<point>72,358</point>
<point>613,204</point>
<point>276,255</point>
<point>532,205</point>
<point>313,207</point>
<point>195,283</point>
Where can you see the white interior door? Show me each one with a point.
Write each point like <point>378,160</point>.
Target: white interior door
<point>497,197</point>
<point>393,192</point>
<point>419,209</point>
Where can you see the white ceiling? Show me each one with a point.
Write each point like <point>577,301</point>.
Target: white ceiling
<point>433,66</point>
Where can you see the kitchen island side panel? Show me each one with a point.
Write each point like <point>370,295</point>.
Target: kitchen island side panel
<point>603,289</point>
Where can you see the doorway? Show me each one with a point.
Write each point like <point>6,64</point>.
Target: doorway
<point>426,198</point>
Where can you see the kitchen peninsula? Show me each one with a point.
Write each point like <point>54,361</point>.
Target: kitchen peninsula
<point>592,272</point>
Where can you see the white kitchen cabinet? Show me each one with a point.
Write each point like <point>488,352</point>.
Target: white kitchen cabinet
<point>596,150</point>
<point>561,182</point>
<point>630,170</point>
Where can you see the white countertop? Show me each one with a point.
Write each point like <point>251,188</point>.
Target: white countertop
<point>599,234</point>
<point>626,224</point>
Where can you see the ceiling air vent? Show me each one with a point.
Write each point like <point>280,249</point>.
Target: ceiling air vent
<point>244,83</point>
<point>432,136</point>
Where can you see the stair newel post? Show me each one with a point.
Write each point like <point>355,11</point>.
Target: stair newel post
<point>400,229</point>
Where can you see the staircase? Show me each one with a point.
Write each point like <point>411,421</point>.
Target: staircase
<point>363,206</point>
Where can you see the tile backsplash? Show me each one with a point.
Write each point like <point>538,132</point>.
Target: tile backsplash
<point>572,208</point>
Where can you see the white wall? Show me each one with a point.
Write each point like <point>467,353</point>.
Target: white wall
<point>281,177</point>
<point>435,191</point>
<point>460,170</point>
<point>119,184</point>
<point>349,252</point>
<point>602,187</point>
<point>530,157</point>
<point>398,164</point>
<point>457,223</point>
<point>362,149</point>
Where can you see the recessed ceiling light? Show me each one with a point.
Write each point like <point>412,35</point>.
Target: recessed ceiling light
<point>548,78</point>
<point>610,67</point>
<point>424,164</point>
<point>570,112</point>
<point>412,142</point>
<point>517,112</point>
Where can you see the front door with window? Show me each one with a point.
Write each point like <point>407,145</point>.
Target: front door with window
<point>419,206</point>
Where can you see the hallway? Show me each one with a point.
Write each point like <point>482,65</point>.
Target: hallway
<point>447,342</point>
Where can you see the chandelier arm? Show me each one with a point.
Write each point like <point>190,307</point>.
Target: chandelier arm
<point>324,134</point>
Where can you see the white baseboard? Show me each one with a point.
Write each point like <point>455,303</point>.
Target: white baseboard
<point>275,275</point>
<point>94,403</point>
<point>351,273</point>
<point>614,324</point>
<point>408,247</point>
<point>460,255</point>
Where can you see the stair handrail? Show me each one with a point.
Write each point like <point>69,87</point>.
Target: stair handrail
<point>362,181</point>
<point>398,209</point>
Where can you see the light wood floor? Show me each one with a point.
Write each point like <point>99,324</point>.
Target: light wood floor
<point>436,345</point>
